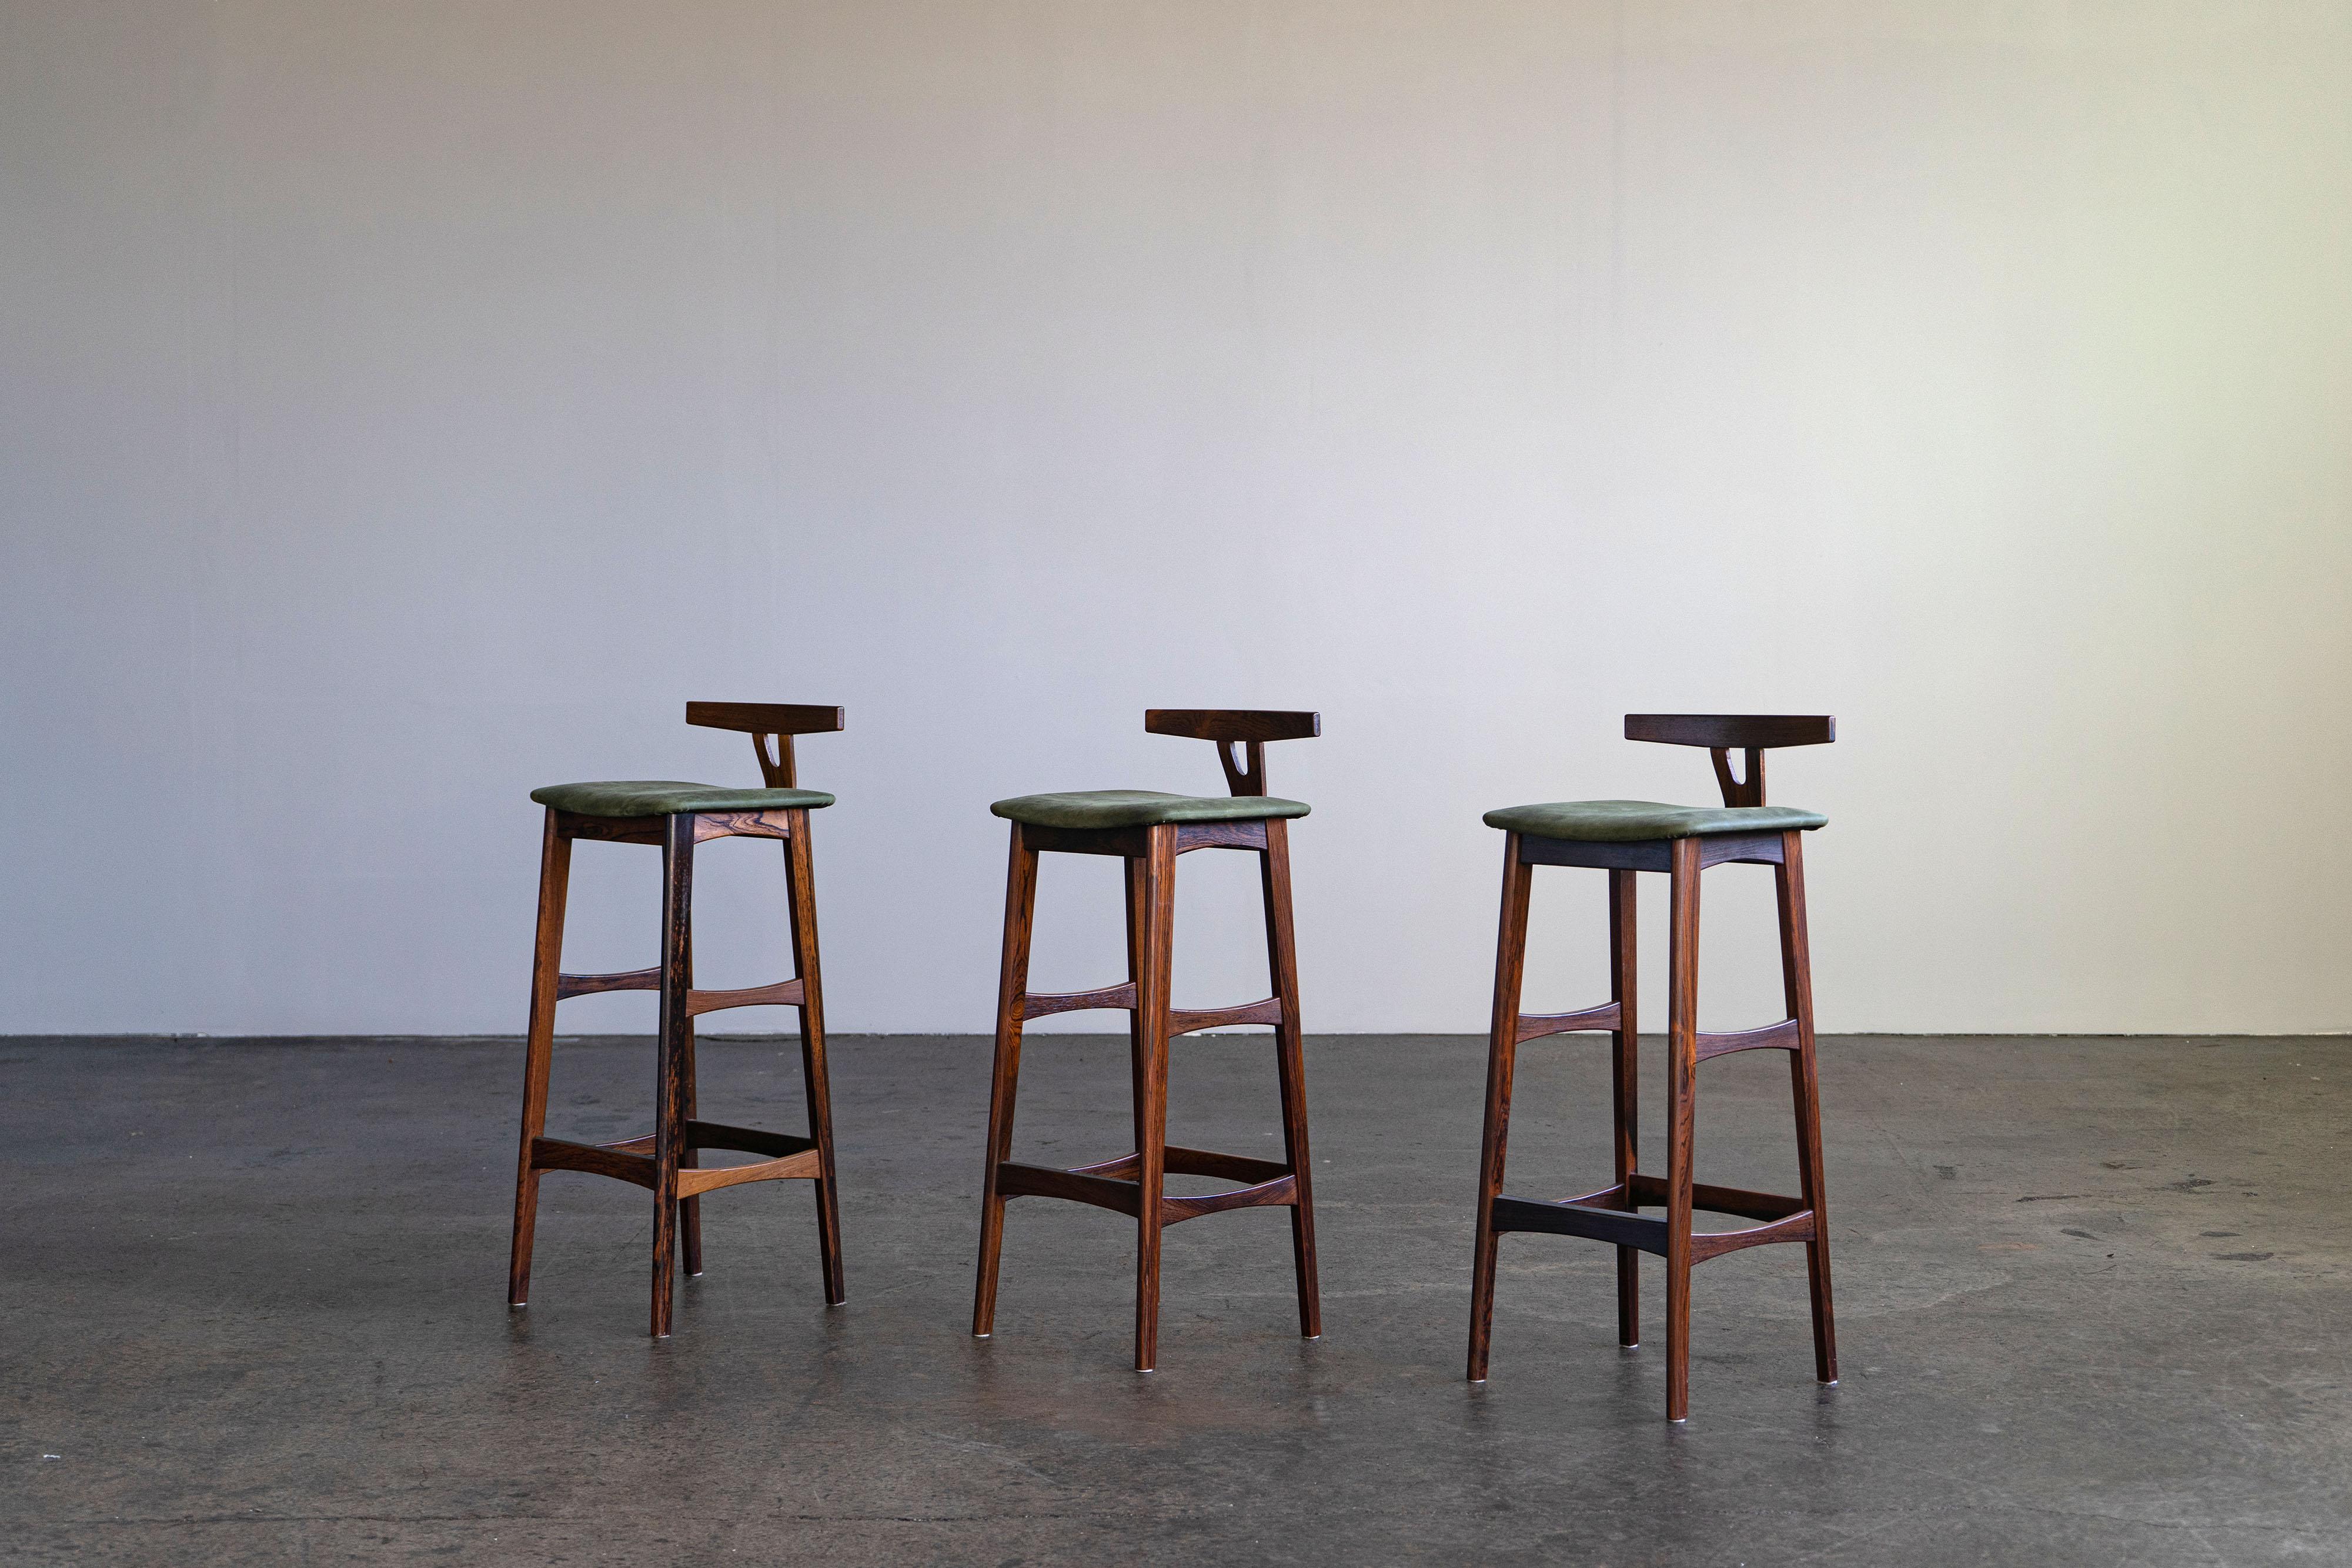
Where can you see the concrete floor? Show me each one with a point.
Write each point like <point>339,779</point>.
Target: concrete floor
<point>2093,1307</point>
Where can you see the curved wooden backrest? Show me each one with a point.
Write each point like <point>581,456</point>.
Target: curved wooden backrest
<point>1248,727</point>
<point>761,720</point>
<point>1753,733</point>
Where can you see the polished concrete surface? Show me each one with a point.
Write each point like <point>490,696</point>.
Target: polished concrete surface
<point>2093,1306</point>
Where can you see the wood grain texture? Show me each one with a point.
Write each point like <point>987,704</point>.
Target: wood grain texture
<point>1290,1071</point>
<point>1502,1053</point>
<point>1014,1179</point>
<point>1624,1088</point>
<point>1682,1111</point>
<point>1190,1021</point>
<point>670,1048</point>
<point>802,1165</point>
<point>1191,836</point>
<point>1797,1226</point>
<point>1233,724</point>
<point>709,825</point>
<point>765,718</point>
<point>1043,1004</point>
<point>1012,991</point>
<point>1156,949</point>
<point>570,986</point>
<point>596,1159</point>
<point>781,994</point>
<point>1781,1036</point>
<point>1734,730</point>
<point>1797,986</point>
<point>1601,1019</point>
<point>799,875</point>
<point>1275,1194</point>
<point>539,1042</point>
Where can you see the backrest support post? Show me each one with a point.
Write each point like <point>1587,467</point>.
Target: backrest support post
<point>1724,732</point>
<point>765,721</point>
<point>1240,734</point>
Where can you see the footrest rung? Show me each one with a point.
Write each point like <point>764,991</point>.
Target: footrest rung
<point>1797,1226</point>
<point>783,994</point>
<point>1112,1184</point>
<point>562,1155</point>
<point>1266,1011</point>
<point>1612,1225</point>
<point>804,1166</point>
<point>1781,1036</point>
<point>1039,1004</point>
<point>1534,1026</point>
<point>1649,1191</point>
<point>570,986</point>
<point>1279,1193</point>
<point>1016,1180</point>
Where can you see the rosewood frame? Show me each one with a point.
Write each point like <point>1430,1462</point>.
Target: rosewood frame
<point>1134,1184</point>
<point>668,1160</point>
<point>1613,1213</point>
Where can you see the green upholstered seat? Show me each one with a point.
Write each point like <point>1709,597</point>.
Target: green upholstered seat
<point>1632,821</point>
<point>1140,808</point>
<point>668,797</point>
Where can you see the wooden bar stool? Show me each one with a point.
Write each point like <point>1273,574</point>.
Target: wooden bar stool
<point>1148,830</point>
<point>1624,837</point>
<point>677,817</point>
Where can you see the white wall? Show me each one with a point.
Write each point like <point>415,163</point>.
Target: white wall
<point>405,405</point>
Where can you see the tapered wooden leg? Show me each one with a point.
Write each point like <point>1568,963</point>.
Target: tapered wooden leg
<point>799,873</point>
<point>1012,991</point>
<point>1502,1050</point>
<point>1681,1078</point>
<point>1139,962</point>
<point>1290,1067</point>
<point>1797,981</point>
<point>689,1209</point>
<point>669,1120</point>
<point>1624,1076</point>
<point>1151,1112</point>
<point>546,967</point>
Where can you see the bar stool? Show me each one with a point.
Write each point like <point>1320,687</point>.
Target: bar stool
<point>668,1161</point>
<point>1625,837</point>
<point>1148,830</point>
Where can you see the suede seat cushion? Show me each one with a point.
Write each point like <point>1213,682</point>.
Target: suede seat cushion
<point>668,797</point>
<point>1085,809</point>
<point>1632,821</point>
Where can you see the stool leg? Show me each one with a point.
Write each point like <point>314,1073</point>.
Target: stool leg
<point>546,965</point>
<point>1797,980</point>
<point>1624,1063</point>
<point>1012,994</point>
<point>1133,868</point>
<point>1290,1067</point>
<point>1681,1081</point>
<point>689,1209</point>
<point>799,873</point>
<point>1502,1052</point>
<point>669,1116</point>
<point>1151,1004</point>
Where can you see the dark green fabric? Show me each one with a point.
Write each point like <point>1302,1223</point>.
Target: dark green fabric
<point>1140,808</point>
<point>666,797</point>
<point>1630,822</point>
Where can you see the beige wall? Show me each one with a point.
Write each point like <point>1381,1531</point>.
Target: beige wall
<point>404,404</point>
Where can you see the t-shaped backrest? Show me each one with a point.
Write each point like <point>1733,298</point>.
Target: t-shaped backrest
<point>1248,728</point>
<point>760,720</point>
<point>1754,732</point>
